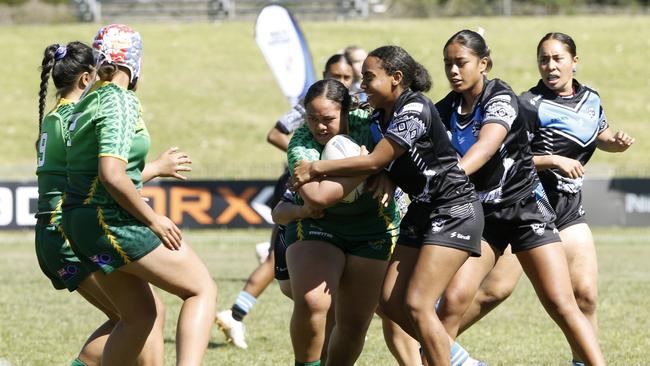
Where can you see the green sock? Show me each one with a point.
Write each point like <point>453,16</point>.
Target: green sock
<point>77,362</point>
<point>313,363</point>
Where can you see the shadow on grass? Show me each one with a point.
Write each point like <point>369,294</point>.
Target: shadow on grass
<point>211,345</point>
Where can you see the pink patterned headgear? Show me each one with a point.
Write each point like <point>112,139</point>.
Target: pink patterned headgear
<point>119,44</point>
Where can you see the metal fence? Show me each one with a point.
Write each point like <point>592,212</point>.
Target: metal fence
<point>188,10</point>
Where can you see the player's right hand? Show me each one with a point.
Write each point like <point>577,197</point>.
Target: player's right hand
<point>569,167</point>
<point>301,174</point>
<point>363,151</point>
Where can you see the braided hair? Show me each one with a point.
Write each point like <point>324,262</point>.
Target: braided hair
<point>65,63</point>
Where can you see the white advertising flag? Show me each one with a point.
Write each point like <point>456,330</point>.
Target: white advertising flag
<point>285,50</point>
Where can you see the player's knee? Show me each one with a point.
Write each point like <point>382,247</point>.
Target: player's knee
<point>495,294</point>
<point>314,302</point>
<point>457,300</point>
<point>160,311</point>
<point>211,289</point>
<point>142,316</point>
<point>203,287</point>
<point>587,298</point>
<point>560,305</point>
<point>391,308</point>
<point>417,307</point>
<point>352,326</point>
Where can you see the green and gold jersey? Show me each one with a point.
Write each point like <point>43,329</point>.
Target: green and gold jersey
<point>303,146</point>
<point>107,122</point>
<point>50,161</point>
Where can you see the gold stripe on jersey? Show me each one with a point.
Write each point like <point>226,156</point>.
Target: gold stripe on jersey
<point>98,85</point>
<point>300,233</point>
<point>111,237</point>
<point>59,228</point>
<point>92,191</point>
<point>60,104</point>
<point>56,211</point>
<point>63,102</point>
<point>113,156</point>
<point>390,225</point>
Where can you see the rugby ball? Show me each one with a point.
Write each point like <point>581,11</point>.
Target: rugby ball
<point>340,147</point>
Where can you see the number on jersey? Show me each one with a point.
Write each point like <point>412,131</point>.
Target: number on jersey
<point>41,149</point>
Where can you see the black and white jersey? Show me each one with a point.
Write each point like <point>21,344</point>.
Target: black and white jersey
<point>565,126</point>
<point>509,175</point>
<point>290,121</point>
<point>429,170</point>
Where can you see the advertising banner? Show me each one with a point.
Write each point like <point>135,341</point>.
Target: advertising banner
<point>285,49</point>
<point>243,204</point>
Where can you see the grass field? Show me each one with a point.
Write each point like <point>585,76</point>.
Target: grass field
<point>207,89</point>
<point>40,326</point>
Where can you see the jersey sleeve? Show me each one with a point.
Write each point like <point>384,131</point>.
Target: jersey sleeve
<point>287,196</point>
<point>502,109</point>
<point>444,107</point>
<point>290,121</point>
<point>528,112</point>
<point>115,126</point>
<point>409,124</point>
<point>529,116</point>
<point>302,147</point>
<point>602,120</point>
<point>359,128</point>
<point>65,112</point>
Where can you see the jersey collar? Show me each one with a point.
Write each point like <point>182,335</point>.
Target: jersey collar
<point>62,102</point>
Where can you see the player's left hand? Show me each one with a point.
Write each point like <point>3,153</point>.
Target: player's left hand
<point>172,162</point>
<point>622,140</point>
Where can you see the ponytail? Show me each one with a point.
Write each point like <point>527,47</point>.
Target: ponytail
<point>64,63</point>
<point>46,69</point>
<point>421,79</point>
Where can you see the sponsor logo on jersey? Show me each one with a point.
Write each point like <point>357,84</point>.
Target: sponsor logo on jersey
<point>460,236</point>
<point>437,225</point>
<point>538,229</point>
<point>102,258</point>
<point>376,244</point>
<point>531,136</point>
<point>321,233</point>
<point>415,107</point>
<point>591,112</point>
<point>68,272</point>
<point>500,110</point>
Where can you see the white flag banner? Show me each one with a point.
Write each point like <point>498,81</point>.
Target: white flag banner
<point>285,50</point>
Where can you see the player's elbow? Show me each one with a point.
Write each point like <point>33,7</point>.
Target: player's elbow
<point>270,138</point>
<point>374,168</point>
<point>278,215</point>
<point>109,180</point>
<point>107,176</point>
<point>274,137</point>
<point>318,201</point>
